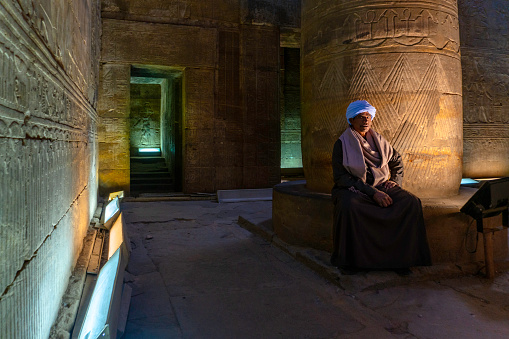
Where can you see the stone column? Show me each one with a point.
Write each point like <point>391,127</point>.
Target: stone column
<point>403,58</point>
<point>113,109</point>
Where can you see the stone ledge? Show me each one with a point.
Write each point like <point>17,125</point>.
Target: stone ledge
<point>318,261</point>
<point>304,218</point>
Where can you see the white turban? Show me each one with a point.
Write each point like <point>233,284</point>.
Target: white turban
<point>357,107</point>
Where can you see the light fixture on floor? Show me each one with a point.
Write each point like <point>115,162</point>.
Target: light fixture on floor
<point>110,213</point>
<point>468,181</point>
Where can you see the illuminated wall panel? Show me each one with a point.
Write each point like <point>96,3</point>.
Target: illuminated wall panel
<point>48,154</point>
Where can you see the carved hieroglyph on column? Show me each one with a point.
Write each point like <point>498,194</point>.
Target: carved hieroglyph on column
<point>404,59</point>
<point>484,34</point>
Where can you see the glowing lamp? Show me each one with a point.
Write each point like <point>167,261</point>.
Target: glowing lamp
<point>468,181</point>
<point>102,312</point>
<point>110,213</point>
<point>118,237</point>
<point>149,150</point>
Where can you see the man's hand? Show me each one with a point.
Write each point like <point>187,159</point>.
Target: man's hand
<point>382,199</point>
<point>389,184</point>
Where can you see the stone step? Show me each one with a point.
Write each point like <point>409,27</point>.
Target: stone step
<point>147,160</point>
<point>159,175</point>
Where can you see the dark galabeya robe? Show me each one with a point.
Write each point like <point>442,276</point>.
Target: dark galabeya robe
<point>373,237</point>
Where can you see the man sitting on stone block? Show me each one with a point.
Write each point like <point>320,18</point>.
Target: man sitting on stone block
<point>377,224</point>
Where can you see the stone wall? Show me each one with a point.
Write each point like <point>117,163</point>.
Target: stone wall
<point>228,53</point>
<point>48,147</point>
<point>485,61</point>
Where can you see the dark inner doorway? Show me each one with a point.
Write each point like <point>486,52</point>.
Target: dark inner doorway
<point>155,130</point>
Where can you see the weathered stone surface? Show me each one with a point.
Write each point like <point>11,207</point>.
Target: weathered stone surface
<point>112,180</point>
<point>114,156</point>
<point>114,89</point>
<point>284,13</point>
<point>485,62</point>
<point>179,12</point>
<point>158,44</point>
<point>48,164</point>
<point>259,69</point>
<point>113,129</point>
<point>403,58</point>
<point>227,13</point>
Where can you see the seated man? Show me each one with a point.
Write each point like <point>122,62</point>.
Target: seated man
<point>377,224</point>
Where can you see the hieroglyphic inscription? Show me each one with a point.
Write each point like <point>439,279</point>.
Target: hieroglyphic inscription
<point>73,50</point>
<point>47,162</point>
<point>398,25</point>
<point>485,63</point>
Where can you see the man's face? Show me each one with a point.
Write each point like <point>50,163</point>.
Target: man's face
<point>361,123</point>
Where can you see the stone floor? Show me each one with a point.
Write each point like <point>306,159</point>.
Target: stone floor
<point>196,273</point>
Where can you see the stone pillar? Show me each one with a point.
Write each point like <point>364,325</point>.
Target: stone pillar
<point>259,84</point>
<point>113,109</point>
<point>403,58</point>
<point>485,62</point>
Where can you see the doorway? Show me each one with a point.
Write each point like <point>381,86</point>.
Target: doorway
<point>155,130</point>
<point>291,154</point>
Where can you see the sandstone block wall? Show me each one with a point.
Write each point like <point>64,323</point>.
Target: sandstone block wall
<point>484,33</point>
<point>48,154</point>
<point>228,53</point>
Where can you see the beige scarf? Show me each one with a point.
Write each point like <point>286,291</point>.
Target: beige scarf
<point>359,153</point>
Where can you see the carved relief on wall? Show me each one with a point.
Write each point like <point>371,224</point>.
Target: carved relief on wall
<point>383,27</point>
<point>47,144</point>
<point>30,95</point>
<point>485,63</point>
<point>73,50</point>
<point>145,127</point>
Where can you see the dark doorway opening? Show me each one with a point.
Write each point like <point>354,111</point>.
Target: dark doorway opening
<point>291,154</point>
<point>155,126</point>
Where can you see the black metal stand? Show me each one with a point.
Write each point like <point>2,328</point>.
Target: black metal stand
<point>488,234</point>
